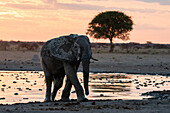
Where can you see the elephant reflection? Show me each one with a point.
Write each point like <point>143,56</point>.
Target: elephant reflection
<point>61,56</point>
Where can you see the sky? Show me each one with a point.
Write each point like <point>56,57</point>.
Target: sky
<point>41,20</point>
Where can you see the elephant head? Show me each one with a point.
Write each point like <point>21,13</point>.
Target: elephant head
<point>73,48</point>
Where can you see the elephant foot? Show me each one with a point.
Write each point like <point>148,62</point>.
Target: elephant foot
<point>83,100</point>
<point>87,92</point>
<point>47,100</point>
<point>53,100</point>
<point>65,100</point>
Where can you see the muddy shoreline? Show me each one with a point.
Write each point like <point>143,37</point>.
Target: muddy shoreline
<point>93,71</point>
<point>100,106</point>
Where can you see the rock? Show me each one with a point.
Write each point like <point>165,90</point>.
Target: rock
<point>137,87</point>
<point>3,98</point>
<point>19,89</point>
<point>28,89</point>
<point>100,78</point>
<point>3,85</point>
<point>25,98</point>
<point>40,89</point>
<point>145,85</point>
<point>101,95</point>
<point>15,93</point>
<point>2,89</point>
<point>14,82</point>
<point>93,103</point>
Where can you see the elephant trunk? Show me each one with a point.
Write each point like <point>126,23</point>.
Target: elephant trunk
<point>85,64</point>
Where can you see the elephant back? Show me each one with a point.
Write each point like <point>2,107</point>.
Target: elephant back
<point>64,48</point>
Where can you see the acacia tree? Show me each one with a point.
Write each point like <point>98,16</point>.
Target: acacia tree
<point>110,24</point>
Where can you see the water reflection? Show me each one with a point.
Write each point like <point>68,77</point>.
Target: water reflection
<point>22,86</point>
<point>110,83</point>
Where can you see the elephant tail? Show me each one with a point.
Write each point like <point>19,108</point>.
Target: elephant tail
<point>94,59</point>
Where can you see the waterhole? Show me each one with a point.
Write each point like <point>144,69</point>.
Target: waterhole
<point>29,86</point>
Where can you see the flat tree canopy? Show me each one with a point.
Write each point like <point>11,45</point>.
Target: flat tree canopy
<point>110,24</point>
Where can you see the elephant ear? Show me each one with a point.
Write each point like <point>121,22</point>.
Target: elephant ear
<point>65,48</point>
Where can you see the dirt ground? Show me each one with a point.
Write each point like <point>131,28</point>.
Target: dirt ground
<point>108,62</point>
<point>132,63</point>
<point>97,106</point>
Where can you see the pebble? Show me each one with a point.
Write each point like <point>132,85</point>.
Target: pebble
<point>145,85</point>
<point>40,89</point>
<point>28,89</point>
<point>2,89</point>
<point>14,82</point>
<point>3,85</point>
<point>15,93</point>
<point>137,88</point>
<point>93,103</point>
<point>3,98</point>
<point>25,98</point>
<point>101,95</point>
<point>28,81</point>
<point>19,89</point>
<point>100,78</point>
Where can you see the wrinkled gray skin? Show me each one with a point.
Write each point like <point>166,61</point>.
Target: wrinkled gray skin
<point>62,56</point>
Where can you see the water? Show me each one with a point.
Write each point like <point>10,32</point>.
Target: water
<point>29,86</point>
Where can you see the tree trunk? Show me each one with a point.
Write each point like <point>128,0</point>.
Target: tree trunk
<point>111,46</point>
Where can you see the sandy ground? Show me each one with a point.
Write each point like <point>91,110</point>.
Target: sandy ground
<point>108,62</point>
<point>132,63</point>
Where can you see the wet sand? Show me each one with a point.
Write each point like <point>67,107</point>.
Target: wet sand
<point>125,63</point>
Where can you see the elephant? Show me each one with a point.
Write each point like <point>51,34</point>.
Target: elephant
<point>62,56</point>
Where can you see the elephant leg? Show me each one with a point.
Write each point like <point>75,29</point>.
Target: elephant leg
<point>58,82</point>
<point>66,91</point>
<point>70,70</point>
<point>48,79</point>
<point>68,86</point>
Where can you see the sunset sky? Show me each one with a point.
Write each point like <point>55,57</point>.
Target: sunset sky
<point>40,20</point>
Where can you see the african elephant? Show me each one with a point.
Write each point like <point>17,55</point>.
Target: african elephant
<point>61,56</point>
